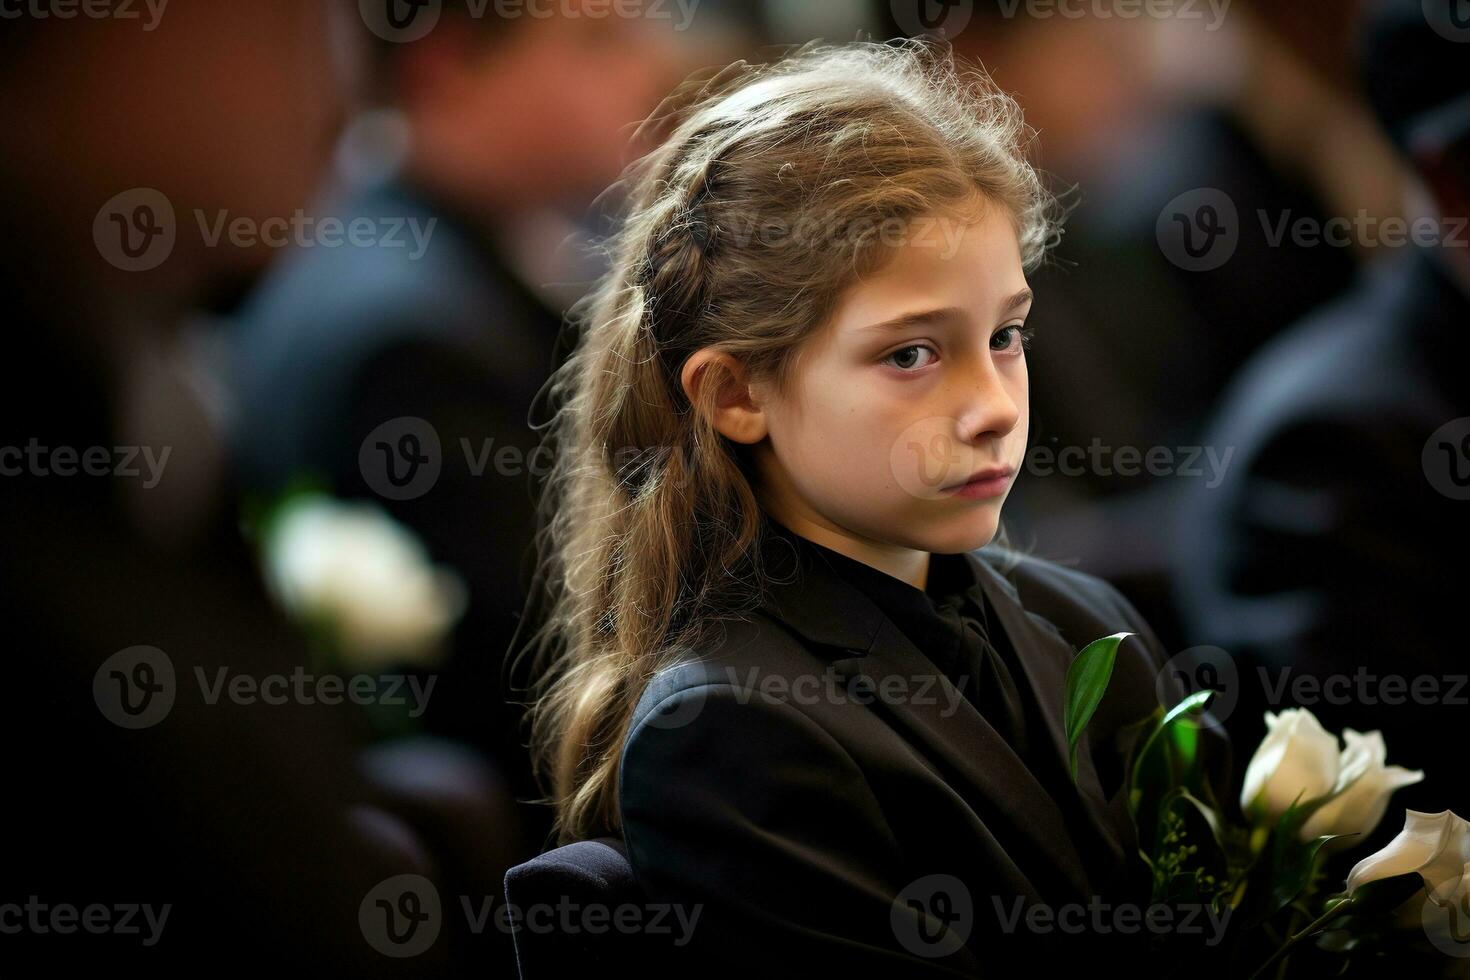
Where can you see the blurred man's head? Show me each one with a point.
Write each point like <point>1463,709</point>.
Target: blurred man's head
<point>218,107</point>
<point>530,104</point>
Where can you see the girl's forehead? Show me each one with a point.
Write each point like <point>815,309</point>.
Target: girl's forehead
<point>969,261</point>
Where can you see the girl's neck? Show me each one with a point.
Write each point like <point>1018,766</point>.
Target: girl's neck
<point>904,564</point>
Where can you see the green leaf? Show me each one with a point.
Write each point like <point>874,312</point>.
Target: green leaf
<point>1173,743</point>
<point>1295,867</point>
<point>1286,865</point>
<point>1169,758</point>
<point>1087,681</point>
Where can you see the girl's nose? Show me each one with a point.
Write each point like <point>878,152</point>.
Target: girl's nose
<point>989,408</point>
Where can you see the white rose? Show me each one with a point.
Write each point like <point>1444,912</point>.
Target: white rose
<point>1435,845</point>
<point>368,577</point>
<point>1364,784</point>
<point>1297,761</point>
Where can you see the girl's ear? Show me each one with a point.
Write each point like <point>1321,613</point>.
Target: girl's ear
<point>719,381</point>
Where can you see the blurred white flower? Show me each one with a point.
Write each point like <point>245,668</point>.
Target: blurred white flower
<point>1364,784</point>
<point>1435,845</point>
<point>1297,761</point>
<point>367,577</point>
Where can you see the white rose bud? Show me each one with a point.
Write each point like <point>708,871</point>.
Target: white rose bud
<point>1435,845</point>
<point>355,568</point>
<point>1364,784</point>
<point>1296,762</point>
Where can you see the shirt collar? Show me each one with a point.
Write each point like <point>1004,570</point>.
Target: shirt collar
<point>826,596</point>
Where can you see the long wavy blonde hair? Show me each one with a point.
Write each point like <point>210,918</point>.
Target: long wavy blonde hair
<point>765,201</point>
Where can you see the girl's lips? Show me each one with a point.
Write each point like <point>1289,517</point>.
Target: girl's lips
<point>990,483</point>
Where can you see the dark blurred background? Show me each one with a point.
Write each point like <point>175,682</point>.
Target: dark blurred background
<point>284,279</point>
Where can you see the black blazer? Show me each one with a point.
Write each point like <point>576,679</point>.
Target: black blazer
<point>801,825</point>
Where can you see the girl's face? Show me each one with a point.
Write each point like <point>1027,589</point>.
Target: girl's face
<point>916,385</point>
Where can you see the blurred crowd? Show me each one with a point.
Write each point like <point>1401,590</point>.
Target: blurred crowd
<point>255,254</point>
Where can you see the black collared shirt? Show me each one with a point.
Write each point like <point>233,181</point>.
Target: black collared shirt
<point>949,622</point>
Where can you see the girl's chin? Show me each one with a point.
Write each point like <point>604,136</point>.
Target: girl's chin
<point>965,532</point>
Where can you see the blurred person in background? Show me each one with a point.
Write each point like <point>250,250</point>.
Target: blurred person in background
<point>1333,552</point>
<point>1248,103</point>
<point>492,131</point>
<point>155,814</point>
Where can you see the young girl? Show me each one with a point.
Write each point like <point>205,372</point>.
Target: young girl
<point>778,664</point>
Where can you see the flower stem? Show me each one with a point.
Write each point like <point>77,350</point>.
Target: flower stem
<point>1310,929</point>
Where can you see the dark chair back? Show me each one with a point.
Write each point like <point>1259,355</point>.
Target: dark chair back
<point>565,909</point>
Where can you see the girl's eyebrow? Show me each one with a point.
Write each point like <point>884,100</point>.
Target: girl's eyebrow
<point>1017,301</point>
<point>921,318</point>
<point>917,319</point>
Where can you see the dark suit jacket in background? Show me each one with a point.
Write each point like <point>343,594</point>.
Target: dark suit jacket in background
<point>337,342</point>
<point>240,815</point>
<point>1326,550</point>
<point>795,823</point>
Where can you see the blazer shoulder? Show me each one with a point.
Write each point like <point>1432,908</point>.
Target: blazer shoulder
<point>736,652</point>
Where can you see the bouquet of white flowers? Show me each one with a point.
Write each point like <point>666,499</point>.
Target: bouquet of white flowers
<point>1307,797</point>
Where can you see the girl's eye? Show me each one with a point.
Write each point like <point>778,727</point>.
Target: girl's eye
<point>906,358</point>
<point>1011,340</point>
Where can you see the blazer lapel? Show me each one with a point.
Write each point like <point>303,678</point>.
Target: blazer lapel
<point>827,610</point>
<point>1045,656</point>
